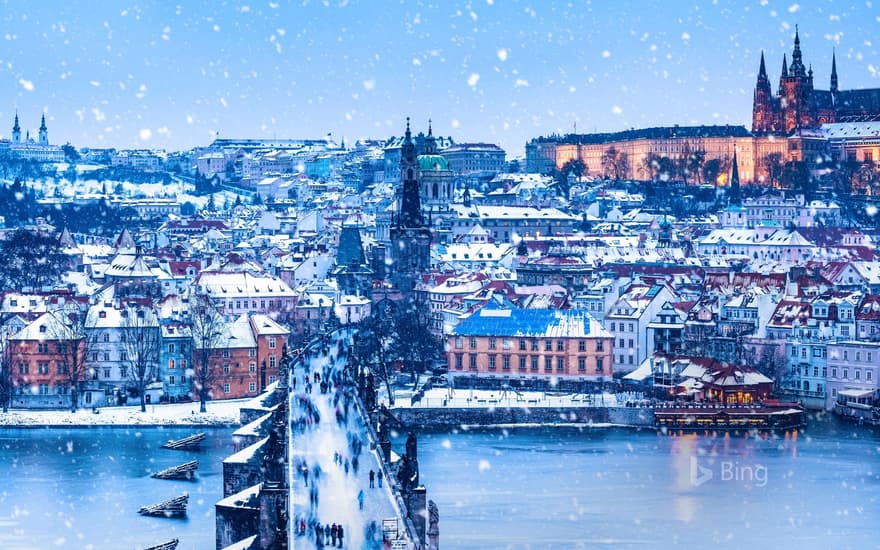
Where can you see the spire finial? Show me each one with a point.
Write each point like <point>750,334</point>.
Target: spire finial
<point>429,127</point>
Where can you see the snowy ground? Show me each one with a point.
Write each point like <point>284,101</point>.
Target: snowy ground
<point>337,490</point>
<point>177,414</point>
<point>461,398</point>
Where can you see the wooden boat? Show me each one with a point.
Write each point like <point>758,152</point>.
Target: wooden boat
<point>170,545</point>
<point>189,442</point>
<point>171,508</point>
<point>186,470</point>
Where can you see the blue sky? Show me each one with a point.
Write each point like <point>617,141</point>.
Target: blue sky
<point>170,75</point>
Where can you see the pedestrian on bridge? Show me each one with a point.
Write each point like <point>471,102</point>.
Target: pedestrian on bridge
<point>361,499</point>
<point>372,478</point>
<point>339,533</point>
<point>379,475</point>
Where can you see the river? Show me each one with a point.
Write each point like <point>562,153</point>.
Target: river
<point>526,488</point>
<point>82,487</point>
<point>616,488</point>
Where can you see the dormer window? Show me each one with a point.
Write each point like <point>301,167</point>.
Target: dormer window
<point>43,329</point>
<point>102,314</point>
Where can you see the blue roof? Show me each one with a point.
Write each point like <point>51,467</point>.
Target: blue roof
<point>525,322</point>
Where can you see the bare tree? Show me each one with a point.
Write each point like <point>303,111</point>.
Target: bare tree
<point>140,343</point>
<point>6,365</point>
<point>209,335</point>
<point>615,163</point>
<point>75,346</point>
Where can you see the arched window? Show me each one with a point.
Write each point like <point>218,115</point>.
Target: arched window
<point>806,386</point>
<point>435,190</point>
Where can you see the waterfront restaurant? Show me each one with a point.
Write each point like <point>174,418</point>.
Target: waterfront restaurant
<point>530,343</point>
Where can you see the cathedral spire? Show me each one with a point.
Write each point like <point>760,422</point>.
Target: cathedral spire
<point>410,214</point>
<point>784,73</point>
<point>797,64</point>
<point>43,123</point>
<point>762,71</point>
<point>16,127</point>
<point>833,72</point>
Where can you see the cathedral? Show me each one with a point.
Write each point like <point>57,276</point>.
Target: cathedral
<point>410,234</point>
<point>798,105</point>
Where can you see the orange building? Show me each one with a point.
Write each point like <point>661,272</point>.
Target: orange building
<point>531,343</point>
<point>270,338</point>
<point>39,369</point>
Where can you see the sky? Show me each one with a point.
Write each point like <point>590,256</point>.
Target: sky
<point>175,75</point>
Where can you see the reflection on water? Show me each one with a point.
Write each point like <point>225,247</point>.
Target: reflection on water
<point>82,488</point>
<point>563,488</point>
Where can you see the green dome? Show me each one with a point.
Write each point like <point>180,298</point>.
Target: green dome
<point>429,163</point>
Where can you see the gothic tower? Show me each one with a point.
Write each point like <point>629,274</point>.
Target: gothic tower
<point>735,196</point>
<point>834,75</point>
<point>410,237</point>
<point>762,105</point>
<point>795,91</point>
<point>16,130</point>
<point>44,132</point>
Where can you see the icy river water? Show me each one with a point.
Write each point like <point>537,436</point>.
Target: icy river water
<point>518,488</point>
<point>615,488</point>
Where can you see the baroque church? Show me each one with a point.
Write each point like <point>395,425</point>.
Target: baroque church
<point>797,104</point>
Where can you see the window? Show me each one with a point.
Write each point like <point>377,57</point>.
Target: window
<point>793,351</point>
<point>170,348</point>
<point>272,343</point>
<point>621,342</point>
<point>613,326</point>
<point>252,367</point>
<point>252,387</point>
<point>458,361</point>
<point>506,344</point>
<point>868,375</point>
<point>631,329</point>
<point>252,352</point>
<point>534,344</point>
<point>833,372</point>
<point>560,345</point>
<point>171,380</point>
<point>824,372</point>
<point>630,343</point>
<point>534,364</point>
<point>560,364</point>
<point>858,374</point>
<point>42,347</point>
<point>582,364</point>
<point>599,364</point>
<point>106,337</point>
<point>600,345</point>
<point>548,345</point>
<point>106,356</point>
<point>473,343</point>
<point>505,362</point>
<point>492,362</point>
<point>522,363</point>
<point>226,388</point>
<point>272,379</point>
<point>845,374</point>
<point>459,342</point>
<point>44,389</point>
<point>522,345</point>
<point>123,372</point>
<point>106,372</point>
<point>271,361</point>
<point>473,361</point>
<point>123,356</point>
<point>548,364</point>
<point>491,343</point>
<point>183,363</point>
<point>582,346</point>
<point>43,368</point>
<point>226,354</point>
<point>225,368</point>
<point>62,368</point>
<point>815,371</point>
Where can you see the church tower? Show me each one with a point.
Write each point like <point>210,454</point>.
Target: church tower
<point>44,132</point>
<point>735,195</point>
<point>796,91</point>
<point>762,105</point>
<point>410,237</point>
<point>834,75</point>
<point>16,130</point>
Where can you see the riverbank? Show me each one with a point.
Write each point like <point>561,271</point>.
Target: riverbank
<point>219,413</point>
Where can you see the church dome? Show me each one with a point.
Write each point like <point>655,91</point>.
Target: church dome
<point>429,163</point>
